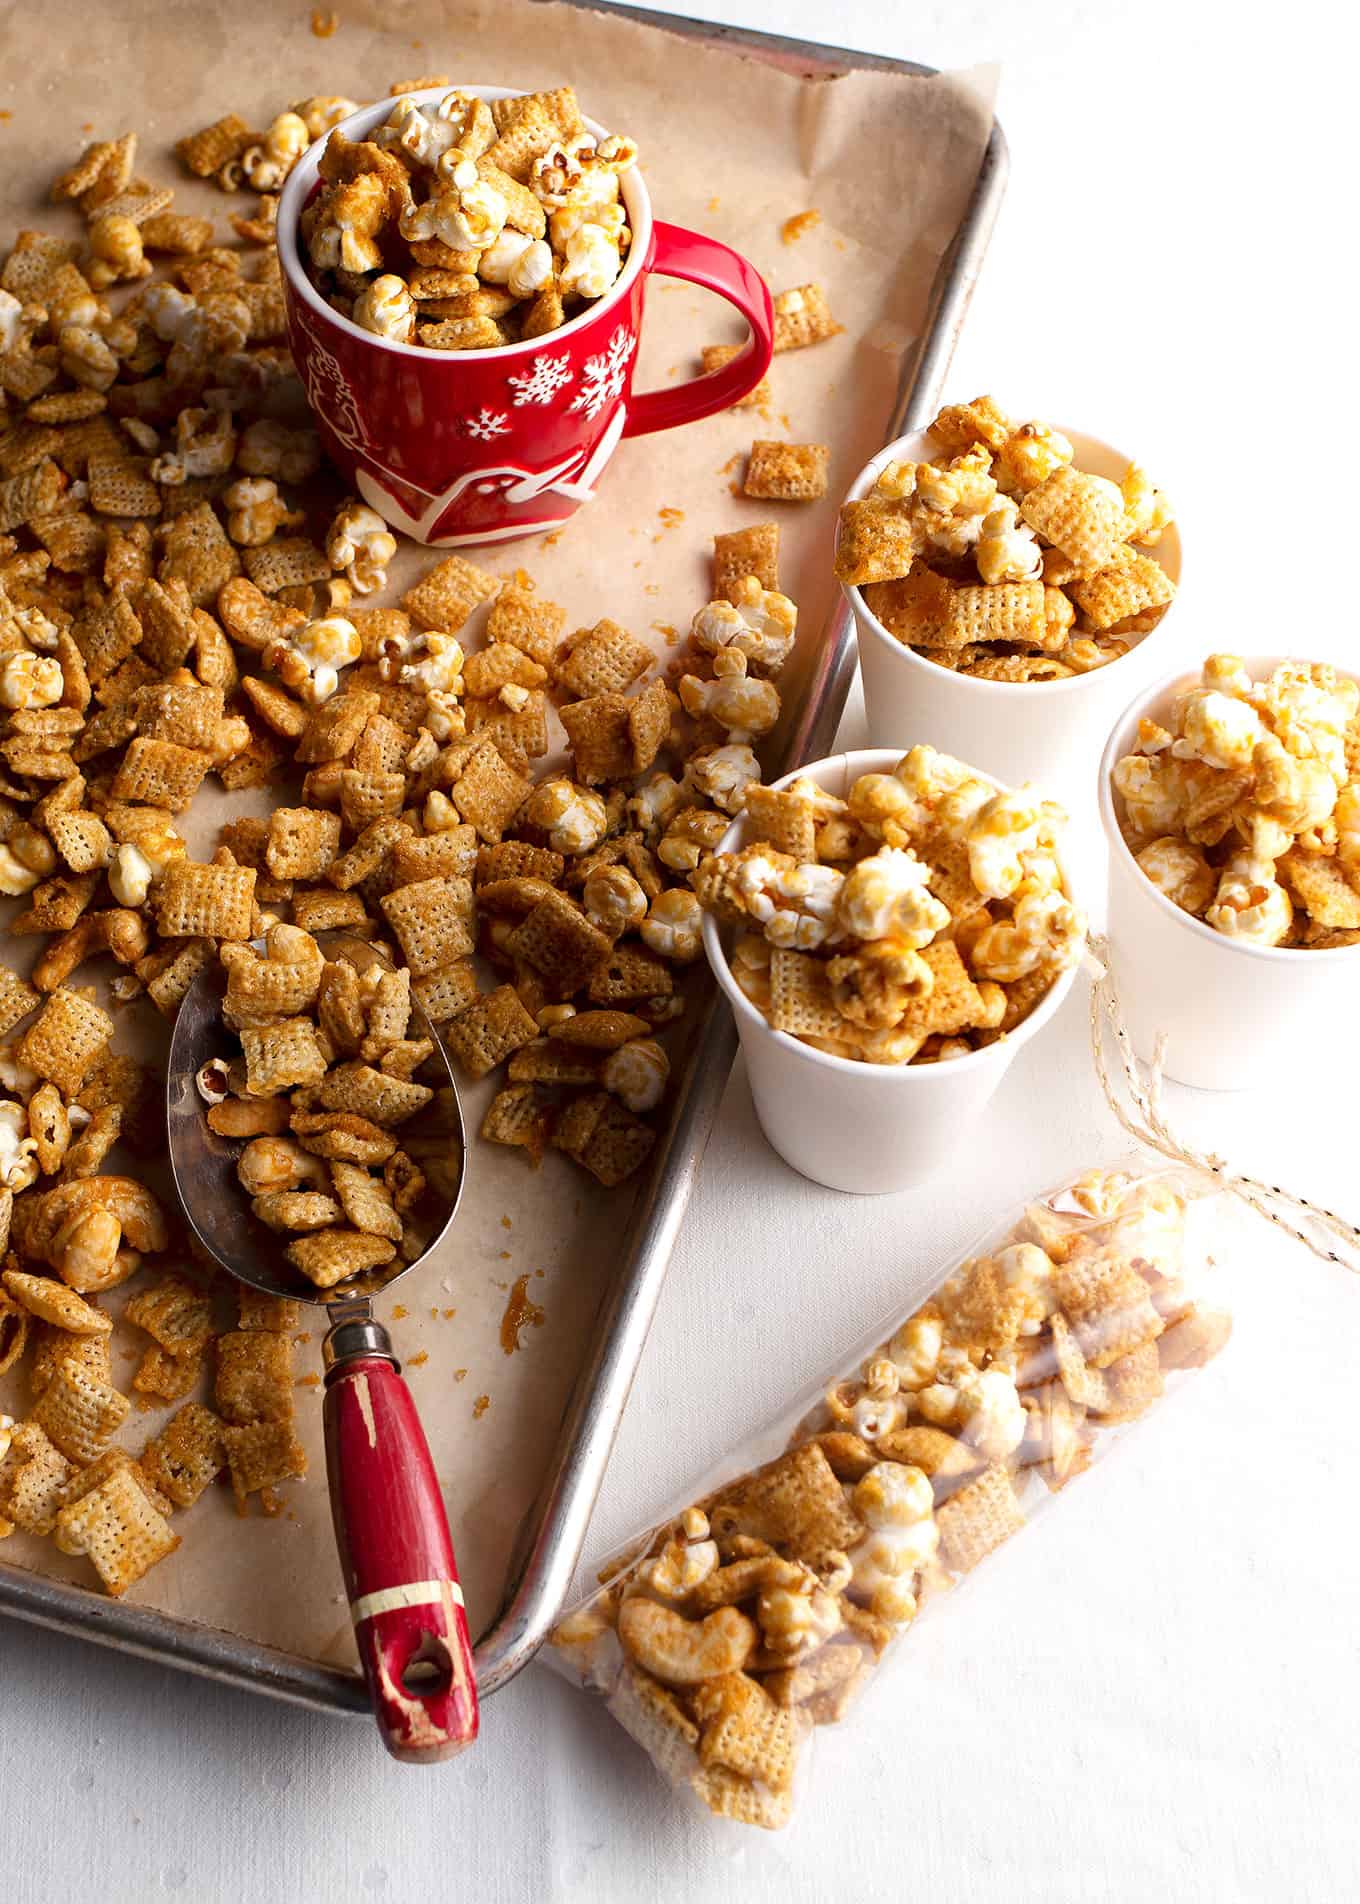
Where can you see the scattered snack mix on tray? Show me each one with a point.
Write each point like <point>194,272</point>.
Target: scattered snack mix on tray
<point>918,919</point>
<point>999,558</point>
<point>1245,809</point>
<point>755,1614</point>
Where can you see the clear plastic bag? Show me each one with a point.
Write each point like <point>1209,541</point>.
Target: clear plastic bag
<point>755,1611</point>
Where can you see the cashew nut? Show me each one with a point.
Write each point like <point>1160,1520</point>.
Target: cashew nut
<point>277,1163</point>
<point>117,930</point>
<point>38,1219</point>
<point>683,1652</point>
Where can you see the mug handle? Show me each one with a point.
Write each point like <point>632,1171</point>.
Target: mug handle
<point>677,253</point>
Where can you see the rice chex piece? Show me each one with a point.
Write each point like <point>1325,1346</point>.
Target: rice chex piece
<point>120,486</point>
<point>800,996</point>
<point>281,1057</point>
<point>160,774</point>
<point>1322,889</point>
<point>600,735</point>
<point>652,1714</point>
<point>186,1456</point>
<point>333,729</point>
<point>787,472</point>
<point>600,660</point>
<point>106,636</point>
<point>953,1002</point>
<point>445,597</point>
<point>744,1730</point>
<point>1108,1305</point>
<point>367,1201</point>
<point>488,793</point>
<point>559,943</point>
<point>729,1795</point>
<point>174,1313</point>
<point>332,1256</point>
<point>605,1138</point>
<point>1112,594</point>
<point>17,999</point>
<point>649,723</point>
<point>286,562</point>
<point>432,921</point>
<point>254,1379</point>
<point>796,1503</point>
<point>383,1100</point>
<point>974,1522</point>
<point>52,1302</point>
<point>1006,611</point>
<point>875,542</point>
<point>262,1455</point>
<point>517,859</point>
<point>324,911</point>
<point>517,1118</point>
<point>450,854</point>
<point>742,552</point>
<point>33,492</point>
<point>119,1529</point>
<point>208,151</point>
<point>543,1062</point>
<point>168,1377</point>
<point>802,316</point>
<point>79,1413</point>
<point>52,1347</point>
<point>1072,511</point>
<point>526,621</point>
<point>786,820</point>
<point>487,1032</point>
<point>717,357</point>
<point>1133,1383</point>
<point>33,1479</point>
<point>302,843</point>
<point>915,608</point>
<point>446,991</point>
<point>198,554</point>
<point>198,901</point>
<point>342,1135</point>
<point>627,975</point>
<point>65,1039</point>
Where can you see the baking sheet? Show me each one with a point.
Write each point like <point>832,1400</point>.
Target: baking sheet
<point>731,147</point>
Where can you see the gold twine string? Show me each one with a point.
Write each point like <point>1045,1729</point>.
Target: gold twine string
<point>1146,1121</point>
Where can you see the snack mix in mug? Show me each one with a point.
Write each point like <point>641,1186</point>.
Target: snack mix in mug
<point>463,225</point>
<point>999,559</point>
<point>756,1613</point>
<point>1245,809</point>
<point>919,919</point>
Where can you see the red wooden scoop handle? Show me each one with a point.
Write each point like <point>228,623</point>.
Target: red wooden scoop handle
<point>397,1556</point>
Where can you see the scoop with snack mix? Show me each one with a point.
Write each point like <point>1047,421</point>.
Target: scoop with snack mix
<point>916,920</point>
<point>1243,810</point>
<point>755,1614</point>
<point>998,558</point>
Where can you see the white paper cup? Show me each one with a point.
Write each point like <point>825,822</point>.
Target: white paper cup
<point>867,1128</point>
<point>1234,1015</point>
<point>1045,731</point>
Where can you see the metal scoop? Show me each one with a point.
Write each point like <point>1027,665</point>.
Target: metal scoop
<point>390,1524</point>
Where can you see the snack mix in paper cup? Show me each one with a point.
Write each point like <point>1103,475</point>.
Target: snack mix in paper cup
<point>755,1613</point>
<point>998,558</point>
<point>1244,809</point>
<point>917,920</point>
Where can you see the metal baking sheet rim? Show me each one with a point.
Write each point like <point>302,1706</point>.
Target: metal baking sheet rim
<point>555,1530</point>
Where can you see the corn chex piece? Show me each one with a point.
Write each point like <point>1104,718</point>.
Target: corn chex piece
<point>296,1210</point>
<point>52,1302</point>
<point>450,854</point>
<point>106,635</point>
<point>65,1039</point>
<point>371,1094</point>
<point>446,991</point>
<point>208,151</point>
<point>745,1731</point>
<point>738,553</point>
<point>526,621</point>
<point>627,975</point>
<point>159,773</point>
<point>78,1413</point>
<point>120,1531</point>
<point>953,1002</point>
<point>286,562</point>
<point>1108,1305</point>
<point>484,1034</point>
<point>343,1135</point>
<point>974,1522</point>
<point>730,1795</point>
<point>254,1379</point>
<point>875,542</point>
<point>543,1062</point>
<point>1007,611</point>
<point>302,842</point>
<point>333,729</point>
<point>1133,1383</point>
<point>280,1057</point>
<point>787,472</point>
<point>488,793</point>
<point>86,1479</point>
<point>1111,595</point>
<point>198,901</point>
<point>366,1201</point>
<point>651,1714</point>
<point>783,818</point>
<point>559,943</point>
<point>173,1313</point>
<point>797,1504</point>
<point>802,316</point>
<point>600,735</point>
<point>324,911</point>
<point>169,1378</point>
<point>1074,513</point>
<point>120,486</point>
<point>604,1137</point>
<point>432,922</point>
<point>186,1456</point>
<point>17,999</point>
<point>517,1118</point>
<point>445,597</point>
<point>1321,887</point>
<point>198,553</point>
<point>33,1478</point>
<point>649,723</point>
<point>604,659</point>
<point>800,996</point>
<point>717,357</point>
<point>332,1256</point>
<point>260,1456</point>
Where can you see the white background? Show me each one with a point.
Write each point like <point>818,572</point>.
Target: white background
<point>1153,1694</point>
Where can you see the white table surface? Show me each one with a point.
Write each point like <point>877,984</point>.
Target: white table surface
<point>1153,1695</point>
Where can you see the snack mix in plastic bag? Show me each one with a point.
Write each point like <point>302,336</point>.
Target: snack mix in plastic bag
<point>755,1613</point>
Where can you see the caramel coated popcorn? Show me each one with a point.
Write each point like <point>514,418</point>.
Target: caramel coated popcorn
<point>462,224</point>
<point>756,1614</point>
<point>998,558</point>
<point>1245,809</point>
<point>916,920</point>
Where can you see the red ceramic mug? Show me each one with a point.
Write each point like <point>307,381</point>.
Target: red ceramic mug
<point>453,447</point>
